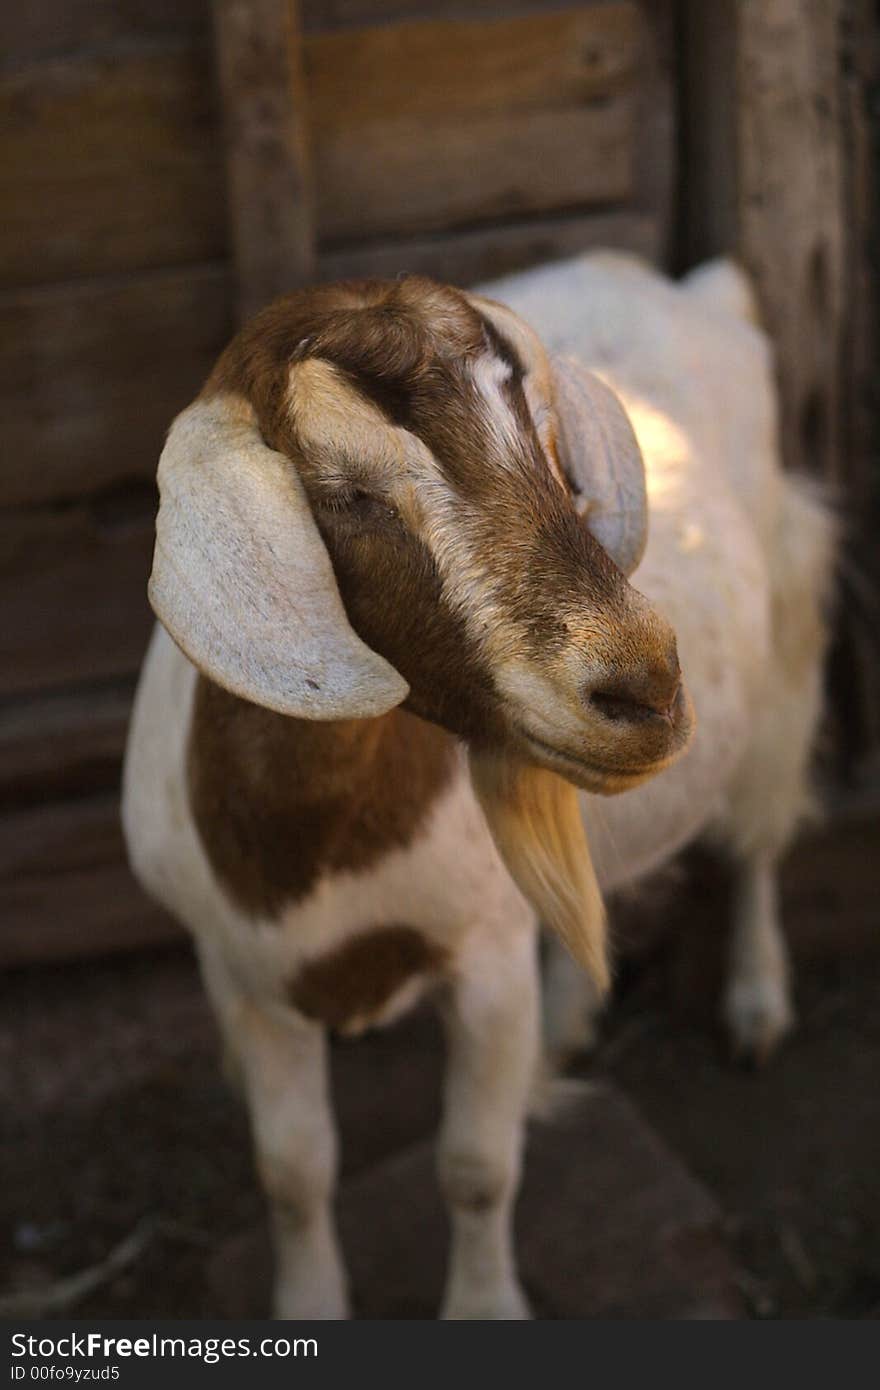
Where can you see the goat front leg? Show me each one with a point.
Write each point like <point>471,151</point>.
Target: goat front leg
<point>757,1007</point>
<point>296,1155</point>
<point>281,1061</point>
<point>492,1031</point>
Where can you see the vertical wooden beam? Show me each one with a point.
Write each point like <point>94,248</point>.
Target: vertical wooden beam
<point>764,180</point>
<point>259,60</point>
<point>708,187</point>
<point>860,606</point>
<point>792,210</point>
<point>779,170</point>
<point>656,151</point>
<point>860,78</point>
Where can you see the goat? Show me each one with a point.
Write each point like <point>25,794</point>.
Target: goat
<point>740,559</point>
<point>395,636</point>
<point>368,555</point>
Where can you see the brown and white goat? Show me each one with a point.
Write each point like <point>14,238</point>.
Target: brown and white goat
<point>397,642</point>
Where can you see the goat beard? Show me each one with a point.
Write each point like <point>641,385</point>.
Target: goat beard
<point>535,820</point>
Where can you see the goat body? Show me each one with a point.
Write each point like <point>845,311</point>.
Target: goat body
<point>333,872</point>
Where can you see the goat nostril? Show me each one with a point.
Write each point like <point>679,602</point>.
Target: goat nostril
<point>636,705</point>
<point>620,708</point>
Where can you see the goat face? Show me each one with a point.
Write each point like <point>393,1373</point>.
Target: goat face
<point>435,457</point>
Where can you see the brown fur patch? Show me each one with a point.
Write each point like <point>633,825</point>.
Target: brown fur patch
<point>278,802</point>
<point>395,601</point>
<point>356,981</point>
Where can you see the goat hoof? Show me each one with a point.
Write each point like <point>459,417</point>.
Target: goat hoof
<point>757,1015</point>
<point>508,1304</point>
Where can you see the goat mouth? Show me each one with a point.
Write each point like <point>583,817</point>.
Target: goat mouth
<point>590,776</point>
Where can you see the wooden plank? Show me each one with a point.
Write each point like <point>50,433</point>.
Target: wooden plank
<point>73,593</point>
<point>859,707</point>
<point>766,177</point>
<point>322,16</point>
<point>66,890</point>
<point>709,186</point>
<point>64,744</point>
<point>776,171</point>
<point>791,209</point>
<point>109,161</point>
<point>53,27</point>
<point>656,160</point>
<point>92,374</point>
<point>441,123</point>
<point>267,156</point>
<point>860,75</point>
<point>465,258</point>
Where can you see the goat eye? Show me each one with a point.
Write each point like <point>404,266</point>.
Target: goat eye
<point>359,505</point>
<point>359,501</point>
<point>362,504</point>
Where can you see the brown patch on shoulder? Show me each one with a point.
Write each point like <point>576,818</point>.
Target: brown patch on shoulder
<point>278,802</point>
<point>356,981</point>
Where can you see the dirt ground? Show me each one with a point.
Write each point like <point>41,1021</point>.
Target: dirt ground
<point>792,1153</point>
<point>117,1123</point>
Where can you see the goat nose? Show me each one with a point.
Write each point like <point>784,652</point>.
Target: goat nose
<point>650,693</point>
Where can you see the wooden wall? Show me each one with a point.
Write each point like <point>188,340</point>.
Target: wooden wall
<point>141,180</point>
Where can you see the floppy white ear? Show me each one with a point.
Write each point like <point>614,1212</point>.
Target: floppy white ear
<point>241,578</point>
<point>601,456</point>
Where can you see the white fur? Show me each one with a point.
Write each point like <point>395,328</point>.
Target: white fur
<point>489,375</point>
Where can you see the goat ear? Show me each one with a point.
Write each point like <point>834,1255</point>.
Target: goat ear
<point>601,456</point>
<point>241,578</point>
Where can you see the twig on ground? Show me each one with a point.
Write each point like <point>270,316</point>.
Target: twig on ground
<point>66,1293</point>
<point>796,1257</point>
